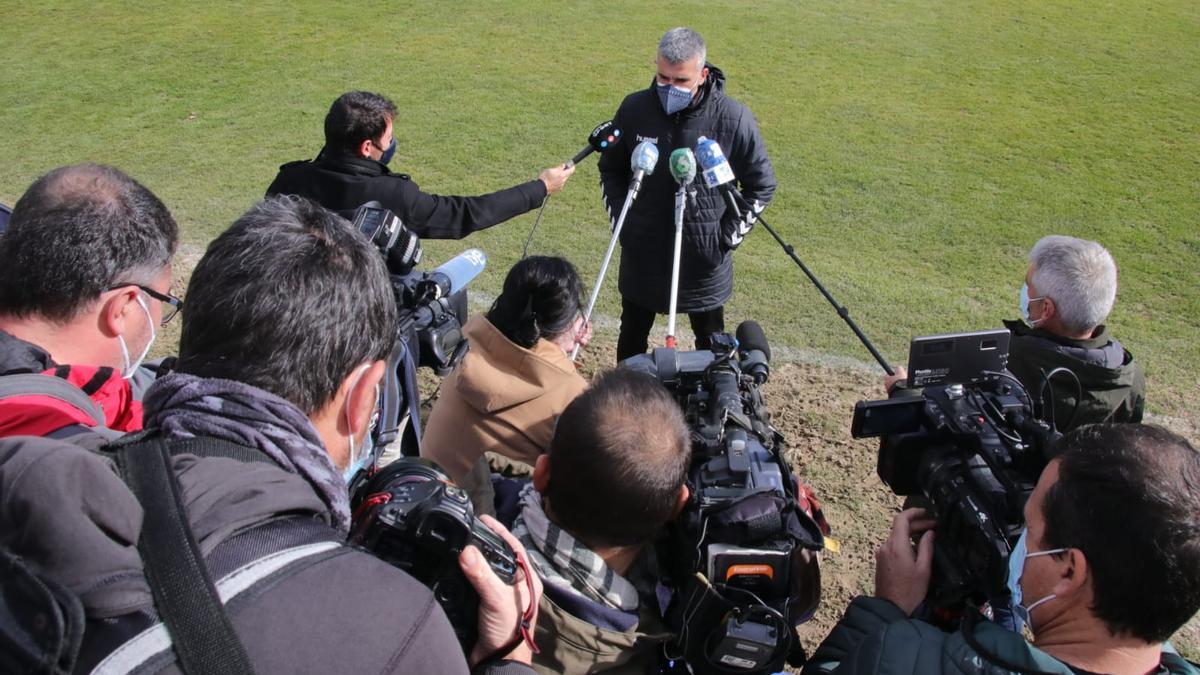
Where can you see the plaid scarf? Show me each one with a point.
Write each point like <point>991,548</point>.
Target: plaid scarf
<point>562,560</point>
<point>186,406</point>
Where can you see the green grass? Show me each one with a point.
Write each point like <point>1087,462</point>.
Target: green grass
<point>921,147</point>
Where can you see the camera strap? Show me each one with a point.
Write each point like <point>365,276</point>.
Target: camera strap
<point>184,595</point>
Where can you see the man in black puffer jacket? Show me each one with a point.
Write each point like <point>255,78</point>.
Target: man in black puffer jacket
<point>685,101</point>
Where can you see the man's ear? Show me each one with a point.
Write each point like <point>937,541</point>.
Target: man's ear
<point>703,75</point>
<point>362,401</point>
<point>684,495</point>
<point>1074,575</point>
<point>364,148</point>
<point>1049,310</point>
<point>117,310</point>
<point>541,473</point>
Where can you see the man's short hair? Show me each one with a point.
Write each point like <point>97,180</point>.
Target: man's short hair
<point>681,45</point>
<point>618,459</point>
<point>354,117</point>
<point>1079,275</point>
<point>76,232</point>
<point>290,299</point>
<point>1128,497</point>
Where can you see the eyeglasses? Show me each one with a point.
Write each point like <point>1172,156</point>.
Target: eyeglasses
<point>173,303</point>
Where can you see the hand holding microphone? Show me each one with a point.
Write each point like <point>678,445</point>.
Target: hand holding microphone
<point>556,177</point>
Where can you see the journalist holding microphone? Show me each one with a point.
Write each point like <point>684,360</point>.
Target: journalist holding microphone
<point>352,169</point>
<point>685,101</point>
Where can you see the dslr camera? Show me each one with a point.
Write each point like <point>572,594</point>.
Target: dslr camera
<point>742,558</point>
<point>411,516</point>
<point>963,442</point>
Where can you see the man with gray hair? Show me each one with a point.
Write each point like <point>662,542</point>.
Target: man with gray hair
<point>1074,370</point>
<point>1062,351</point>
<point>686,100</point>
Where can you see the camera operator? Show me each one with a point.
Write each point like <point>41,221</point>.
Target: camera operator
<point>507,394</point>
<point>614,476</point>
<point>352,169</point>
<point>289,320</point>
<point>1069,290</point>
<point>1109,569</point>
<point>85,277</point>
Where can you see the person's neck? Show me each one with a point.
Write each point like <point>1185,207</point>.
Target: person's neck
<point>618,558</point>
<point>1056,327</point>
<point>1088,645</point>
<point>72,343</point>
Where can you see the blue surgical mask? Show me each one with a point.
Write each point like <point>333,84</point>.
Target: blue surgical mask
<point>389,153</point>
<point>1025,300</point>
<point>674,98</point>
<point>362,456</point>
<point>1016,567</point>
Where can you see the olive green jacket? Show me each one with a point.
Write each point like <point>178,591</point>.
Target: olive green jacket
<point>1111,393</point>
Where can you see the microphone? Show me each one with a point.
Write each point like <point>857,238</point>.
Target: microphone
<point>683,166</point>
<point>454,274</point>
<point>753,351</point>
<point>715,169</point>
<point>643,161</point>
<point>601,138</point>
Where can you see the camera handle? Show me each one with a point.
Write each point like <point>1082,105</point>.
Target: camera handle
<point>841,310</point>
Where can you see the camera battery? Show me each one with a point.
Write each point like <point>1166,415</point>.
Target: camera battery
<point>746,645</point>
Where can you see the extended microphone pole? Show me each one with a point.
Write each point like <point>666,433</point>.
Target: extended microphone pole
<point>841,311</point>
<point>683,168</point>
<point>644,157</point>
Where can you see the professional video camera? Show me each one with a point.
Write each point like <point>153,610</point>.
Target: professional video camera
<point>967,447</point>
<point>409,515</point>
<point>433,309</point>
<point>741,559</point>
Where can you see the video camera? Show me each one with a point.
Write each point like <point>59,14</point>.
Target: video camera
<point>433,309</point>
<point>411,516</point>
<point>741,559</point>
<point>968,448</point>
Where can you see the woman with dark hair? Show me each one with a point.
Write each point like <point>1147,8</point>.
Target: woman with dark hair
<point>506,395</point>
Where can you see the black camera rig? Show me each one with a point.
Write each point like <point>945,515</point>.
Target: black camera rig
<point>433,309</point>
<point>410,515</point>
<point>968,448</point>
<point>741,560</point>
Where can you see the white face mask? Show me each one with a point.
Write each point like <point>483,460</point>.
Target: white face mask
<point>128,369</point>
<point>358,458</point>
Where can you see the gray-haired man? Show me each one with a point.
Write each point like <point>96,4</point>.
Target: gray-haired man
<point>1061,351</point>
<point>686,100</point>
<point>1069,290</point>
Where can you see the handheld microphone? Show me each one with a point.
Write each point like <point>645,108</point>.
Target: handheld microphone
<point>454,274</point>
<point>601,138</point>
<point>643,161</point>
<point>683,166</point>
<point>754,351</point>
<point>715,169</point>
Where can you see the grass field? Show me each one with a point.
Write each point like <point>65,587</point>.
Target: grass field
<point>921,147</point>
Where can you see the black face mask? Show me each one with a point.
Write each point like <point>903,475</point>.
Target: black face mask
<point>389,153</point>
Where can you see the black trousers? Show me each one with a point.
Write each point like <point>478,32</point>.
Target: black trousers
<point>636,322</point>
